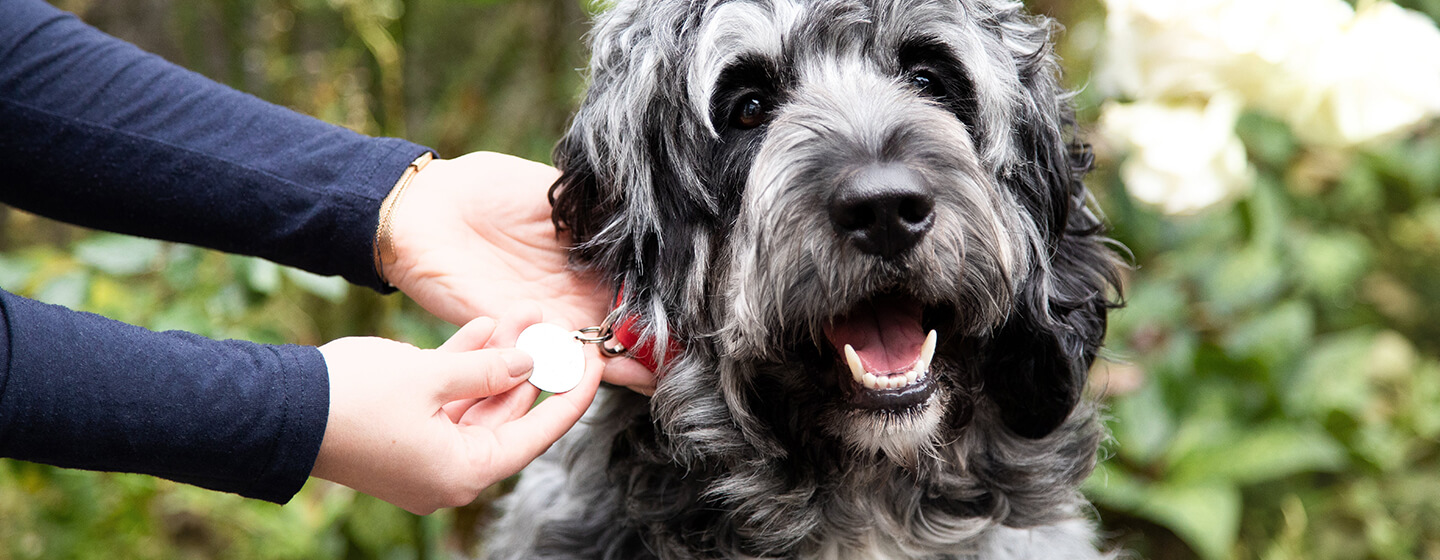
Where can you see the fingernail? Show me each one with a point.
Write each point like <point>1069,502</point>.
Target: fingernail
<point>517,361</point>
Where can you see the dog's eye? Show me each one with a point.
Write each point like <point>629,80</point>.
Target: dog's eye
<point>750,111</point>
<point>926,83</point>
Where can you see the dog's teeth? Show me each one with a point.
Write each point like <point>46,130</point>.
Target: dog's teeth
<point>870,381</point>
<point>856,369</point>
<point>911,376</point>
<point>927,353</point>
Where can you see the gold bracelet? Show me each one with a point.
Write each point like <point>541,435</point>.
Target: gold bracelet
<point>384,249</point>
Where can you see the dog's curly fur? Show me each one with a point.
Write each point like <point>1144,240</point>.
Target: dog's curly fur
<point>708,174</point>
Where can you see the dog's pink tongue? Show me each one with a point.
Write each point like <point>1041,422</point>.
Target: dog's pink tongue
<point>885,333</point>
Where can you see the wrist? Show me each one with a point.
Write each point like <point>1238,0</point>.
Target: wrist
<point>384,248</point>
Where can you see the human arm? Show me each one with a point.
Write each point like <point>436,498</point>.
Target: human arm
<point>78,390</point>
<point>422,429</point>
<point>104,135</point>
<point>101,134</point>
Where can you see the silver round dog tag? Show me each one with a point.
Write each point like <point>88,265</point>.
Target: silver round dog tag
<point>559,357</point>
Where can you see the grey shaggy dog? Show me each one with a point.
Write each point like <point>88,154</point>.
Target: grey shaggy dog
<point>791,196</point>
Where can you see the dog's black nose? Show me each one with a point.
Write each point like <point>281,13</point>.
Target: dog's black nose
<point>883,209</point>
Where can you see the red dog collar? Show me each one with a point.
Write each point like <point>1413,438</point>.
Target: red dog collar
<point>623,328</point>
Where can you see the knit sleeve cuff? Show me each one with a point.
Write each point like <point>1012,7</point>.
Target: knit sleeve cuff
<point>306,404</point>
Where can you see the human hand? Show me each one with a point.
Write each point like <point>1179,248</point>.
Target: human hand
<point>426,429</point>
<point>473,234</point>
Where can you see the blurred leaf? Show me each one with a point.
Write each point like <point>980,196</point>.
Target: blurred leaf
<point>1424,400</point>
<point>1261,454</point>
<point>1153,302</point>
<point>262,276</point>
<point>1413,163</point>
<point>1268,140</point>
<point>69,290</point>
<point>331,288</point>
<point>15,273</point>
<point>1242,279</point>
<point>1332,263</point>
<point>120,255</point>
<point>1142,424</point>
<point>1332,376</point>
<point>1206,516</point>
<point>1273,336</point>
<point>1360,192</point>
<point>1207,425</point>
<point>1111,486</point>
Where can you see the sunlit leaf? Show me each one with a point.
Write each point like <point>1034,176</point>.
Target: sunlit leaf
<point>262,276</point>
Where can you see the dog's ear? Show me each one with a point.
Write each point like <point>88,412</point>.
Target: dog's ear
<point>1040,359</point>
<point>577,204</point>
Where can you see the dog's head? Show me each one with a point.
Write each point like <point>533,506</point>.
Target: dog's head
<point>865,212</point>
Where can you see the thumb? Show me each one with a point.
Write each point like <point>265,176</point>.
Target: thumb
<point>480,373</point>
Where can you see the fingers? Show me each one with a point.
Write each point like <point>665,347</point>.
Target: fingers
<point>524,439</point>
<point>495,411</point>
<point>471,336</point>
<point>478,373</point>
<point>629,373</point>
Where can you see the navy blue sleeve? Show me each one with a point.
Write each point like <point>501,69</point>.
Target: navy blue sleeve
<point>98,133</point>
<point>81,391</point>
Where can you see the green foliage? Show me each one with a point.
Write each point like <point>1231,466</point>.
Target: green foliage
<point>1281,392</point>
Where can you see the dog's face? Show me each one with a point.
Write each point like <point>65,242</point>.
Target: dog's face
<point>859,218</point>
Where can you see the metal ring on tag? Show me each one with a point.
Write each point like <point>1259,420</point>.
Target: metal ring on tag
<point>603,333</point>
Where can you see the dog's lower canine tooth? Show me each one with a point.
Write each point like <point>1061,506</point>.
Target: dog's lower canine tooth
<point>857,370</point>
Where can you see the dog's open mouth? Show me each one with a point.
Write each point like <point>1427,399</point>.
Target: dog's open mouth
<point>887,351</point>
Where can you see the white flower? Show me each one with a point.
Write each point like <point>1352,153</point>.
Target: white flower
<point>1183,157</point>
<point>1379,75</point>
<point>1336,76</point>
<point>1169,48</point>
